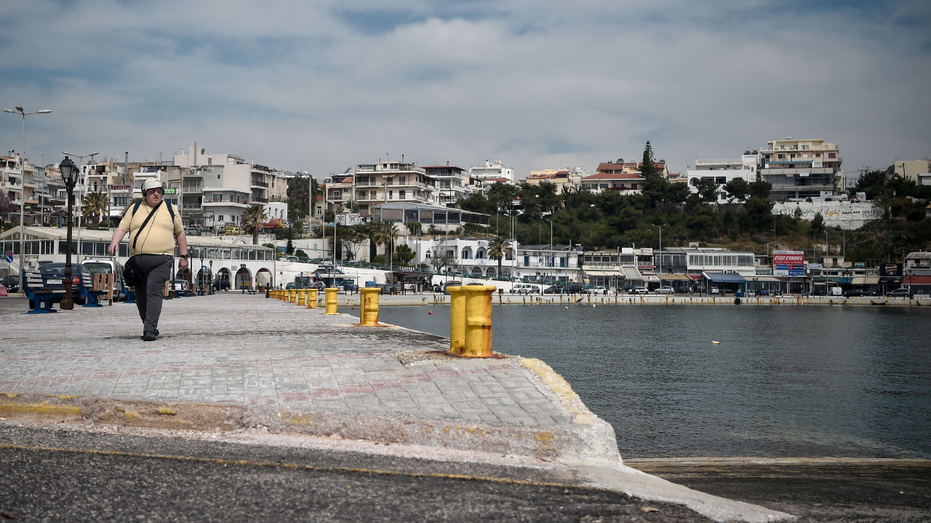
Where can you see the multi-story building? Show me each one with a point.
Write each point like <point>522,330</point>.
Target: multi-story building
<point>462,256</point>
<point>390,182</point>
<point>563,178</point>
<point>337,192</point>
<point>621,176</point>
<point>547,264</point>
<point>225,185</point>
<point>722,171</point>
<point>450,184</point>
<point>801,168</point>
<point>490,173</point>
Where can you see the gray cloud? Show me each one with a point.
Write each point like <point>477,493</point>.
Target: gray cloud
<point>323,86</point>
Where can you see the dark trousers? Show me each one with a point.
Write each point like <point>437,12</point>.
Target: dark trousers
<point>156,269</point>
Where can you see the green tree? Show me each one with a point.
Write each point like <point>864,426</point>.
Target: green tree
<point>884,199</point>
<point>737,189</point>
<point>760,189</point>
<point>252,221</point>
<point>497,249</point>
<point>95,205</point>
<point>817,225</point>
<point>403,254</point>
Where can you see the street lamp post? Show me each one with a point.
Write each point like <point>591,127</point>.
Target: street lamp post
<point>550,260</point>
<point>22,184</point>
<point>660,227</point>
<point>68,174</point>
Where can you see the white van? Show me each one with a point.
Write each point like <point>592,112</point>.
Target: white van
<point>108,266</point>
<point>525,288</point>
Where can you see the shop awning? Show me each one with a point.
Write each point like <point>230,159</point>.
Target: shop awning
<point>675,277</point>
<point>770,279</point>
<point>632,274</point>
<point>609,274</point>
<point>719,277</point>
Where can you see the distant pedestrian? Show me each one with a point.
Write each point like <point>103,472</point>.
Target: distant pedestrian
<point>153,229</point>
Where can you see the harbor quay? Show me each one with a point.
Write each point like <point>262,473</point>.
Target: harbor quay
<point>237,366</point>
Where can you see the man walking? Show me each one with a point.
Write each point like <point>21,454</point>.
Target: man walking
<point>153,227</point>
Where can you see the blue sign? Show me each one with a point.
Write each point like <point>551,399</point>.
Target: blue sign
<point>9,256</point>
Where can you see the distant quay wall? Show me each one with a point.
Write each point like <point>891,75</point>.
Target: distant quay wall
<point>430,299</point>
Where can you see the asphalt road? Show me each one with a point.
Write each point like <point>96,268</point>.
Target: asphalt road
<point>59,475</point>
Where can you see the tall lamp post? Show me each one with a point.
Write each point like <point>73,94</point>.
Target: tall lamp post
<point>550,260</point>
<point>69,175</point>
<point>22,183</point>
<point>660,227</point>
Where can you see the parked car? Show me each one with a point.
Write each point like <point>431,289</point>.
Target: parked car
<point>762,292</point>
<point>220,284</point>
<point>525,288</point>
<point>11,282</point>
<point>53,277</point>
<point>598,289</point>
<point>640,290</point>
<point>715,291</point>
<point>853,293</point>
<point>901,292</point>
<point>665,290</point>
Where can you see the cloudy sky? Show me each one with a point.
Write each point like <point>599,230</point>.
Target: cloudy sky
<point>324,85</point>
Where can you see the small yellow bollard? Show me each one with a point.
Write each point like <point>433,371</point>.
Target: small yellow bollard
<point>457,319</point>
<point>331,300</point>
<point>311,298</point>
<point>301,296</point>
<point>369,316</point>
<point>477,322</point>
<point>292,296</point>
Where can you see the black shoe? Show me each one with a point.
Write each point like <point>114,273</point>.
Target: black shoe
<point>149,336</point>
<point>156,332</point>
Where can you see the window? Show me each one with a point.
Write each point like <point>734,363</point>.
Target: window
<point>402,194</point>
<point>526,261</point>
<point>402,179</point>
<point>391,194</point>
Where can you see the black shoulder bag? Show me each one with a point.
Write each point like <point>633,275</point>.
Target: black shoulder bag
<point>132,275</point>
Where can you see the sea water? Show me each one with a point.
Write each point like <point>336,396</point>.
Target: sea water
<point>731,380</point>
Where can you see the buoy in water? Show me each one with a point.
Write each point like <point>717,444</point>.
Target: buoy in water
<point>430,312</point>
<point>715,342</point>
<point>567,307</point>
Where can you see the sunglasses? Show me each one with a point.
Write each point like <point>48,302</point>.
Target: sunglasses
<point>153,191</point>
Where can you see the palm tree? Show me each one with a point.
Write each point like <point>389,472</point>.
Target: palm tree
<point>95,205</point>
<point>497,249</point>
<point>383,233</point>
<point>253,220</point>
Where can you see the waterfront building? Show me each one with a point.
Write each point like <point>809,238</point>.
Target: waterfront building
<point>722,171</point>
<point>808,168</point>
<point>621,176</point>
<point>918,272</point>
<point>548,264</point>
<point>231,260</point>
<point>461,256</point>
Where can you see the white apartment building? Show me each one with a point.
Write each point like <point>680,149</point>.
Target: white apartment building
<point>466,256</point>
<point>722,171</point>
<point>451,184</point>
<point>390,182</point>
<point>219,187</point>
<point>491,172</point>
<point>802,169</point>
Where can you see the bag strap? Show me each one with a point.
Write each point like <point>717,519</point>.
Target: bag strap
<point>144,223</point>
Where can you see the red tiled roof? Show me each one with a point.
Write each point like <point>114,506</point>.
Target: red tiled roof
<point>614,176</point>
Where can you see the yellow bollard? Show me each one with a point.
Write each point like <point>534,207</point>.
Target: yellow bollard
<point>477,322</point>
<point>331,300</point>
<point>369,316</point>
<point>457,319</point>
<point>311,298</point>
<point>301,296</point>
<point>292,296</point>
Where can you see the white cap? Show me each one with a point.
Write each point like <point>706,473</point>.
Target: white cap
<point>152,183</point>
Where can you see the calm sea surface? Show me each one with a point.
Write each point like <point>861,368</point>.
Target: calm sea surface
<point>783,381</point>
